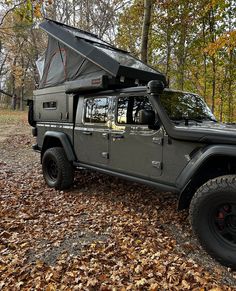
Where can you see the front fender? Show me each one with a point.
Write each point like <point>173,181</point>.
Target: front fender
<point>191,179</point>
<point>199,158</point>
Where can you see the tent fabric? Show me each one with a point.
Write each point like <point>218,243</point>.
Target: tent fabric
<point>62,64</point>
<point>76,55</point>
<point>40,65</point>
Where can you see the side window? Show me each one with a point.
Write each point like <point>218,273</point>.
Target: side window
<point>128,108</point>
<point>96,110</point>
<point>50,105</point>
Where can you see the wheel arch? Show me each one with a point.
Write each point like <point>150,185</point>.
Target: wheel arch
<point>58,139</point>
<point>208,163</point>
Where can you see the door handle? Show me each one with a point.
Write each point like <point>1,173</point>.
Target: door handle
<point>87,132</point>
<point>117,136</point>
<point>105,135</point>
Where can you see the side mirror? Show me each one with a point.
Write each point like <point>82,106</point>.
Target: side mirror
<point>146,117</point>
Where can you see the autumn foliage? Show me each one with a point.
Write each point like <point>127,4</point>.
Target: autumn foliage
<point>103,234</point>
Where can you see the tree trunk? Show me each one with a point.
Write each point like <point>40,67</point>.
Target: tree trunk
<point>54,10</point>
<point>213,84</point>
<point>74,12</point>
<point>204,59</point>
<point>67,14</point>
<point>13,80</point>
<point>168,48</point>
<point>213,58</point>
<point>181,50</point>
<point>230,92</point>
<point>145,30</point>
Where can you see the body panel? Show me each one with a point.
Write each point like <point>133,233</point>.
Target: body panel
<point>52,104</point>
<point>43,127</point>
<point>168,156</point>
<point>91,144</point>
<point>91,140</point>
<point>136,150</point>
<point>176,156</point>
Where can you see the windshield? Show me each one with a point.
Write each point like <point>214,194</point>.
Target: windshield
<point>180,105</point>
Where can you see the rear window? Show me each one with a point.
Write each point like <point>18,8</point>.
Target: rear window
<point>96,110</point>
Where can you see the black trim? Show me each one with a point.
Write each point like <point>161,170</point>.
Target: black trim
<point>143,76</point>
<point>161,187</point>
<point>188,173</point>
<point>62,137</point>
<point>100,82</point>
<point>36,148</point>
<point>34,131</point>
<point>31,120</point>
<point>77,29</point>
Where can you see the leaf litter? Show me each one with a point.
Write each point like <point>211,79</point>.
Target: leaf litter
<point>103,234</point>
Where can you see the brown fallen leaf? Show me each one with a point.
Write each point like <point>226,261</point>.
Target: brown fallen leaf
<point>51,287</point>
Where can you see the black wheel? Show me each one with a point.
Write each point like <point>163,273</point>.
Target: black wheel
<point>58,172</point>
<point>213,218</point>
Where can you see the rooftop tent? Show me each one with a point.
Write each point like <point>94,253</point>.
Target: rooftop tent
<point>81,61</point>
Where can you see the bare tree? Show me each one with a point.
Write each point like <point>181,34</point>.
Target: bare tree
<point>145,29</point>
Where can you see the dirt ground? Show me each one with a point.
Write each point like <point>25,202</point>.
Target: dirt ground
<point>103,234</point>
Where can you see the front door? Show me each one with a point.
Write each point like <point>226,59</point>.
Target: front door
<point>92,132</point>
<point>134,148</point>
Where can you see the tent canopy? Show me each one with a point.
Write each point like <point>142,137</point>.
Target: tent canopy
<point>81,61</point>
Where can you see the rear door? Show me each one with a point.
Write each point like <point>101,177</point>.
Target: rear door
<point>91,134</point>
<point>134,148</point>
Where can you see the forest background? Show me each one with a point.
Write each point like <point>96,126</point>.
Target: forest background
<point>192,42</point>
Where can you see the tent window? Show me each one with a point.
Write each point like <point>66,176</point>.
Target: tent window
<point>57,68</point>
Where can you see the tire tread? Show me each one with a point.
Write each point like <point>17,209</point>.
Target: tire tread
<point>221,182</point>
<point>67,170</point>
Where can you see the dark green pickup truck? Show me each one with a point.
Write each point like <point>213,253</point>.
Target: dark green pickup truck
<point>99,108</point>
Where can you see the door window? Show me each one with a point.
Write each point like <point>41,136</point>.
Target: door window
<point>128,108</point>
<point>96,110</point>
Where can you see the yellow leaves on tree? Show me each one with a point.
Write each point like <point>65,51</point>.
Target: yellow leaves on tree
<point>38,6</point>
<point>28,9</point>
<point>212,4</point>
<point>37,10</point>
<point>225,41</point>
<point>17,71</point>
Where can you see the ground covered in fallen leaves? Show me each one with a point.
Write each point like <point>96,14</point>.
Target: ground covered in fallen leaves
<point>104,234</point>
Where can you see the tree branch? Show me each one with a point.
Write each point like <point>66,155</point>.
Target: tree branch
<point>10,10</point>
<point>5,93</point>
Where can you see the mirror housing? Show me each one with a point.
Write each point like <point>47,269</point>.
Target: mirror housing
<point>155,87</point>
<point>146,117</point>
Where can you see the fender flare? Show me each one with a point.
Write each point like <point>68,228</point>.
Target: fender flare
<point>65,142</point>
<point>187,175</point>
<point>31,120</point>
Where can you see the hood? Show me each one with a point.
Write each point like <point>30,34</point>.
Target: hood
<point>208,132</point>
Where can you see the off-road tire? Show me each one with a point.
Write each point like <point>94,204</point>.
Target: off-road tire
<point>58,172</point>
<point>213,218</point>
